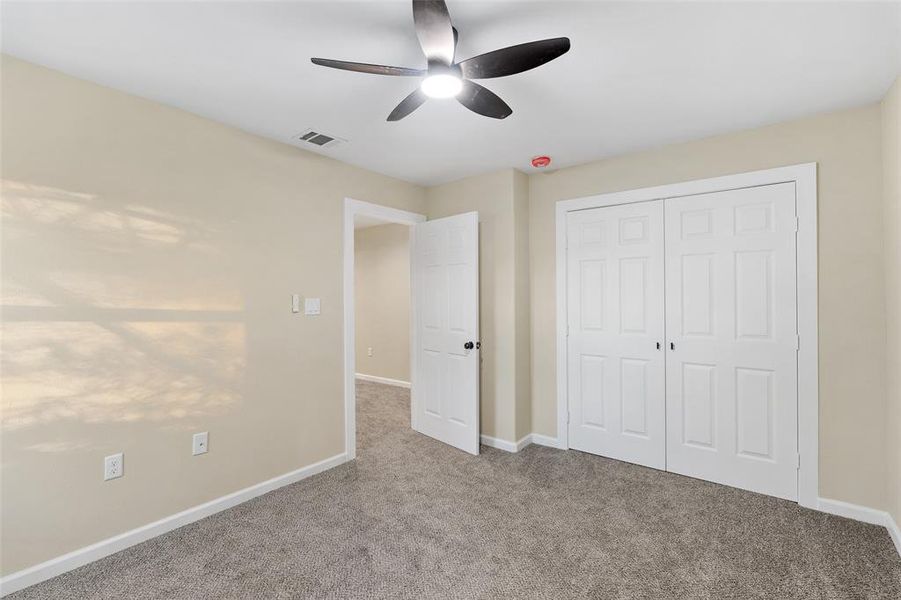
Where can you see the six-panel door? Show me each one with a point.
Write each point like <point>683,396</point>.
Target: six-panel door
<point>713,277</point>
<point>731,302</point>
<point>615,312</point>
<point>446,308</point>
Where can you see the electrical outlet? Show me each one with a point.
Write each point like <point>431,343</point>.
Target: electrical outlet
<point>201,443</point>
<point>113,466</point>
<point>369,351</point>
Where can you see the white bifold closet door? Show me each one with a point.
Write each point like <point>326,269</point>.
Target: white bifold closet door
<point>731,317</point>
<point>615,332</point>
<point>713,278</point>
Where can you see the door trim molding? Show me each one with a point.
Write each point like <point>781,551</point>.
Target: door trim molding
<point>804,176</point>
<point>389,215</point>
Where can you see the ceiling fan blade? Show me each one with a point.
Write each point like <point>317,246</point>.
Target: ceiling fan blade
<point>434,30</point>
<point>514,59</point>
<point>408,105</point>
<point>367,68</point>
<point>483,101</point>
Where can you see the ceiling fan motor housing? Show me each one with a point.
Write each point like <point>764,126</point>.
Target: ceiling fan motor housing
<point>439,68</point>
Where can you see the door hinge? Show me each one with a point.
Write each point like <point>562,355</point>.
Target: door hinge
<point>567,417</point>
<point>797,342</point>
<point>797,224</point>
<point>797,461</point>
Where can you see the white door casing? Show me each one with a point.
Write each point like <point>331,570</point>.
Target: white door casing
<point>731,366</point>
<point>353,209</point>
<point>446,312</point>
<point>615,278</point>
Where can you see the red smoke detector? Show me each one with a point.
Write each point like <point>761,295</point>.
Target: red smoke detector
<point>540,162</point>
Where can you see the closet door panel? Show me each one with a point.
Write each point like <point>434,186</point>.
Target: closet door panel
<point>731,317</point>
<point>615,371</point>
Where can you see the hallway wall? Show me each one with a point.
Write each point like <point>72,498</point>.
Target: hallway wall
<point>382,301</point>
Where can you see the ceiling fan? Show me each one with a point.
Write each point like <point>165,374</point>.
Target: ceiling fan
<point>446,78</point>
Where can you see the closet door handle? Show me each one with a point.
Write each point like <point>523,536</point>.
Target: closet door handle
<point>672,346</point>
<point>658,345</point>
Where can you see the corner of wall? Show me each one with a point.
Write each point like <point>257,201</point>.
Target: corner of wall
<point>891,188</point>
<point>521,249</point>
<point>501,198</point>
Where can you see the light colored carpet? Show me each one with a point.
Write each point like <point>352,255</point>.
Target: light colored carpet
<point>413,518</point>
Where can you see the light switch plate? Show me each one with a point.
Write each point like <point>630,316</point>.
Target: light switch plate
<point>311,306</point>
<point>201,443</point>
<point>295,303</point>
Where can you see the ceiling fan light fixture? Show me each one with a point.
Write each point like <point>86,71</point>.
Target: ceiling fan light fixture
<point>447,78</point>
<point>442,85</point>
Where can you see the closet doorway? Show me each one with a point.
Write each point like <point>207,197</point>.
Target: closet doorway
<point>682,329</point>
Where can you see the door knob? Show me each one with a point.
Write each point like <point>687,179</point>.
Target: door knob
<point>469,345</point>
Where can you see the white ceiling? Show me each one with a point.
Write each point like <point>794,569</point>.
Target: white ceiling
<point>638,75</point>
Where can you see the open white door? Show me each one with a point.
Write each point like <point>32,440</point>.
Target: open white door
<point>446,322</point>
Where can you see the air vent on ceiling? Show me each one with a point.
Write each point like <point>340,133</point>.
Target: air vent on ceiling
<point>317,138</point>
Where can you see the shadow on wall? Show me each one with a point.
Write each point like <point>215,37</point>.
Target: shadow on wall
<point>105,321</point>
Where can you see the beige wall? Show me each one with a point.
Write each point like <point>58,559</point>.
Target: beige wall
<point>522,324</point>
<point>155,253</point>
<point>382,301</point>
<point>851,280</point>
<point>495,196</point>
<point>891,181</point>
<point>149,257</point>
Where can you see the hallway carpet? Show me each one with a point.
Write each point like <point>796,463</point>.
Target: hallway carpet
<point>413,518</point>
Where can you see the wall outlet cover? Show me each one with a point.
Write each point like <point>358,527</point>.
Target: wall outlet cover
<point>113,466</point>
<point>200,443</point>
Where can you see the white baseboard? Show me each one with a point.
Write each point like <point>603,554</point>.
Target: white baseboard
<point>532,438</point>
<point>864,514</point>
<point>852,511</point>
<point>67,562</point>
<point>546,440</point>
<point>894,531</point>
<point>500,444</point>
<point>77,558</point>
<point>385,380</point>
